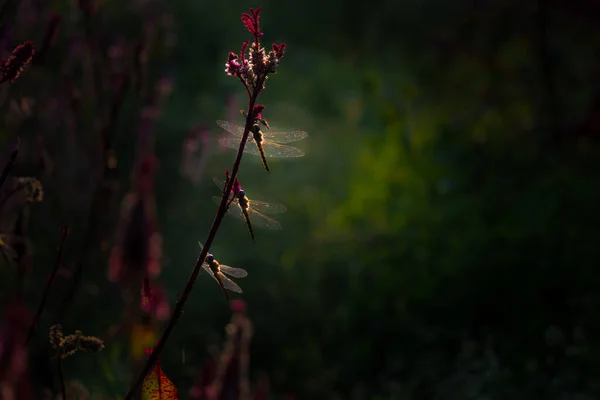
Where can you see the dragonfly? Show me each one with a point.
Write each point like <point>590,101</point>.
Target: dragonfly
<point>263,144</point>
<point>218,272</point>
<point>251,211</point>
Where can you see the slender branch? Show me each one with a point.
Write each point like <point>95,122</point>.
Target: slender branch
<point>61,376</point>
<point>246,87</point>
<point>9,165</point>
<point>8,263</point>
<point>40,56</point>
<point>63,238</point>
<point>98,201</point>
<point>178,310</point>
<point>10,194</point>
<point>548,74</point>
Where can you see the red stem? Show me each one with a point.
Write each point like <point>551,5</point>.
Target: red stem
<point>178,310</point>
<point>61,376</point>
<point>63,238</point>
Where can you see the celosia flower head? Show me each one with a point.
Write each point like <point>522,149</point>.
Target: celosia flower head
<point>250,21</point>
<point>253,64</point>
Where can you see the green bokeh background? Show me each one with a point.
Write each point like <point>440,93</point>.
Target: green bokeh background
<point>441,234</point>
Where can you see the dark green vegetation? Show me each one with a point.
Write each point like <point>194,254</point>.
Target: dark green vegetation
<point>441,234</point>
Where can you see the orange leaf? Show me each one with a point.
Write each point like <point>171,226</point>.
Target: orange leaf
<point>157,386</point>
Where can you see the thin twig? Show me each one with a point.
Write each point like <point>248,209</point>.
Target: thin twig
<point>8,263</point>
<point>97,200</point>
<point>57,262</point>
<point>40,56</point>
<point>10,194</point>
<point>61,376</point>
<point>178,310</point>
<point>9,165</point>
<point>548,74</point>
<point>94,54</point>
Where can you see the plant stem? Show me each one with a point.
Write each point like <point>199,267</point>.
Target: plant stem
<point>10,194</point>
<point>57,263</point>
<point>9,165</point>
<point>177,311</point>
<point>98,203</point>
<point>61,376</point>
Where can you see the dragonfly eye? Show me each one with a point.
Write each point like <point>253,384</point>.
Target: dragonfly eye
<point>210,258</point>
<point>241,194</point>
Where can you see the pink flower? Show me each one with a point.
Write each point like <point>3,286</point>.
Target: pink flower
<point>232,66</point>
<point>250,21</point>
<point>279,49</point>
<point>258,109</point>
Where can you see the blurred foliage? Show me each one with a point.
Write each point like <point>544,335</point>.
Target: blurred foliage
<point>440,240</point>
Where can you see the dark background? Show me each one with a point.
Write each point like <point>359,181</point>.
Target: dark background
<point>441,234</point>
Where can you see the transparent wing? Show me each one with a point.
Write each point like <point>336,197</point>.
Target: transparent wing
<point>207,269</point>
<point>231,271</point>
<point>229,284</point>
<point>258,219</point>
<point>201,245</point>
<point>277,137</point>
<point>274,150</point>
<point>284,137</point>
<point>260,206</point>
<point>219,182</point>
<point>262,221</point>
<point>234,208</point>
<point>267,208</point>
<point>234,129</point>
<point>234,143</point>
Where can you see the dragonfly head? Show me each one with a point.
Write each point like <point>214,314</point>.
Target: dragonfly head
<point>210,258</point>
<point>241,194</point>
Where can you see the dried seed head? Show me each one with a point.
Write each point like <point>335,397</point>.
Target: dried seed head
<point>68,345</point>
<point>90,343</point>
<point>20,57</point>
<point>34,192</point>
<point>56,336</point>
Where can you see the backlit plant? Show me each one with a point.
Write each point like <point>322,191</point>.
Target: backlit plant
<point>251,66</point>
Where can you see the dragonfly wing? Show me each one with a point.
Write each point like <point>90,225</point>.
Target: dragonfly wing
<point>219,182</point>
<point>267,208</point>
<point>235,272</point>
<point>229,284</point>
<point>207,269</point>
<point>274,150</point>
<point>262,221</point>
<point>285,137</point>
<point>234,129</point>
<point>234,208</point>
<point>234,143</point>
